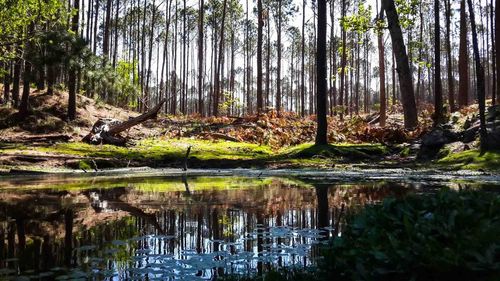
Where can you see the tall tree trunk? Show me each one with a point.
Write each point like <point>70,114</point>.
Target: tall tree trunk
<point>451,82</point>
<point>438,88</point>
<point>356,104</point>
<point>96,19</point>
<point>218,78</point>
<point>148,99</point>
<point>343,62</point>
<point>463,60</point>
<point>6,82</point>
<point>493,56</point>
<point>201,26</point>
<point>260,19</point>
<point>405,79</point>
<point>268,65</point>
<point>27,77</point>
<point>303,70</point>
<point>333,62</point>
<point>480,81</point>
<point>278,63</point>
<point>321,101</point>
<point>419,95</point>
<point>115,25</point>
<point>497,47</point>
<point>381,67</point>
<point>16,79</point>
<point>72,72</point>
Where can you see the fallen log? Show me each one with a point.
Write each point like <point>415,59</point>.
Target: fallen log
<point>220,136</point>
<point>106,130</point>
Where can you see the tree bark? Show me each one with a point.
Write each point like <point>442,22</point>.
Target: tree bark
<point>497,47</point>
<point>438,88</point>
<point>343,62</point>
<point>259,55</point>
<point>278,63</point>
<point>451,82</point>
<point>72,72</point>
<point>405,79</point>
<point>463,60</point>
<point>480,86</point>
<point>493,57</point>
<point>200,56</point>
<point>321,100</point>
<point>381,66</point>
<point>24,106</point>
<point>303,54</point>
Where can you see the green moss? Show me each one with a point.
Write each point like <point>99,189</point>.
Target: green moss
<point>336,151</point>
<point>153,149</point>
<point>84,165</point>
<point>158,152</point>
<point>405,152</point>
<point>472,160</point>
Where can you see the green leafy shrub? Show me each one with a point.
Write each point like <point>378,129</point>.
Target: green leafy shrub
<point>446,236</point>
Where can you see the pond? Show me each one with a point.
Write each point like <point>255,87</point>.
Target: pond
<point>186,227</point>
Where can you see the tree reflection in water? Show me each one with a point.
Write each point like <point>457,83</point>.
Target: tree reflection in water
<point>129,231</point>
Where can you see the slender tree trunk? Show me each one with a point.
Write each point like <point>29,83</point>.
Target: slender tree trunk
<point>96,19</point>
<point>27,77</point>
<point>73,71</point>
<point>259,54</point>
<point>148,99</point>
<point>321,100</point>
<point>278,64</point>
<point>480,86</point>
<point>405,79</point>
<point>107,29</point>
<point>356,104</point>
<point>451,82</point>
<point>381,66</point>
<point>201,27</point>
<point>438,88</point>
<point>493,57</point>
<point>268,65</point>
<point>16,79</point>
<point>6,82</point>
<point>303,70</point>
<point>218,76</point>
<point>497,48</point>
<point>463,60</point>
<point>115,25</point>
<point>343,63</point>
<point>333,69</point>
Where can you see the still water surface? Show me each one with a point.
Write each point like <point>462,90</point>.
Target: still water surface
<point>161,228</point>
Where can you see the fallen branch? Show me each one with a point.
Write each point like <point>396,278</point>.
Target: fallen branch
<point>107,130</point>
<point>220,136</point>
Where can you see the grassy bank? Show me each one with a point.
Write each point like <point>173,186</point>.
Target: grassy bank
<point>471,160</point>
<point>171,153</point>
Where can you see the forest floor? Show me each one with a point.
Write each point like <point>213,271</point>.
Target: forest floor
<point>45,141</point>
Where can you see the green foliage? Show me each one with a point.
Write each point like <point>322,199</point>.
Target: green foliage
<point>119,85</point>
<point>360,22</point>
<point>445,236</point>
<point>471,160</point>
<point>16,15</point>
<point>228,102</point>
<point>407,11</point>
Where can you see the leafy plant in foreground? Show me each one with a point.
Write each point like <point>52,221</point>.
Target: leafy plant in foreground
<point>445,236</point>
